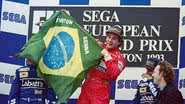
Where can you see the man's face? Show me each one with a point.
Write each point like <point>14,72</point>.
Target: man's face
<point>112,41</point>
<point>156,75</point>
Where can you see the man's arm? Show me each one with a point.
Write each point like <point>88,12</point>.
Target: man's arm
<point>114,64</point>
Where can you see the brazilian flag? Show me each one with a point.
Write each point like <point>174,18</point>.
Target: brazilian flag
<point>64,52</point>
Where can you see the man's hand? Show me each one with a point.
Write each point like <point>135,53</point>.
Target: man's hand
<point>106,55</point>
<point>99,42</point>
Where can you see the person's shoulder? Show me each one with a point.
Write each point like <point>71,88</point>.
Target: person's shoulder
<point>119,55</point>
<point>174,93</point>
<point>172,90</point>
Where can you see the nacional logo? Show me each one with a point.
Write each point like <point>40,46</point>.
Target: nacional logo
<point>59,51</point>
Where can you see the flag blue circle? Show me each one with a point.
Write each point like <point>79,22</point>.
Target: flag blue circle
<point>59,51</point>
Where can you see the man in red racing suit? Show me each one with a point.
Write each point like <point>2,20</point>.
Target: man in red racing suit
<point>96,88</point>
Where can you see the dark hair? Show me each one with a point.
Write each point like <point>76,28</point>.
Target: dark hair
<point>168,72</point>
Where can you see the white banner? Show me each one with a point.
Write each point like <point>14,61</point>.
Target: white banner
<point>127,82</point>
<point>166,3</point>
<point>15,18</point>
<point>7,74</point>
<point>182,22</point>
<point>181,84</point>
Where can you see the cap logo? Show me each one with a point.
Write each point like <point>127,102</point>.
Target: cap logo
<point>150,63</point>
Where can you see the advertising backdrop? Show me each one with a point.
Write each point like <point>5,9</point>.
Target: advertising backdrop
<point>152,28</point>
<point>148,32</point>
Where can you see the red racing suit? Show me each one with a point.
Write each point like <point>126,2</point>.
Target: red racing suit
<point>96,88</point>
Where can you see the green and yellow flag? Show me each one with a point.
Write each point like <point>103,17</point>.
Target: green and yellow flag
<point>65,52</point>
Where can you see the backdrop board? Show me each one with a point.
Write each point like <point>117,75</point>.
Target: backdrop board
<point>148,32</point>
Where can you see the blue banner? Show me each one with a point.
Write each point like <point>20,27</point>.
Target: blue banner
<point>182,53</point>
<point>74,2</point>
<point>135,2</point>
<point>4,99</point>
<point>0,12</point>
<point>10,44</point>
<point>20,1</point>
<point>183,2</point>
